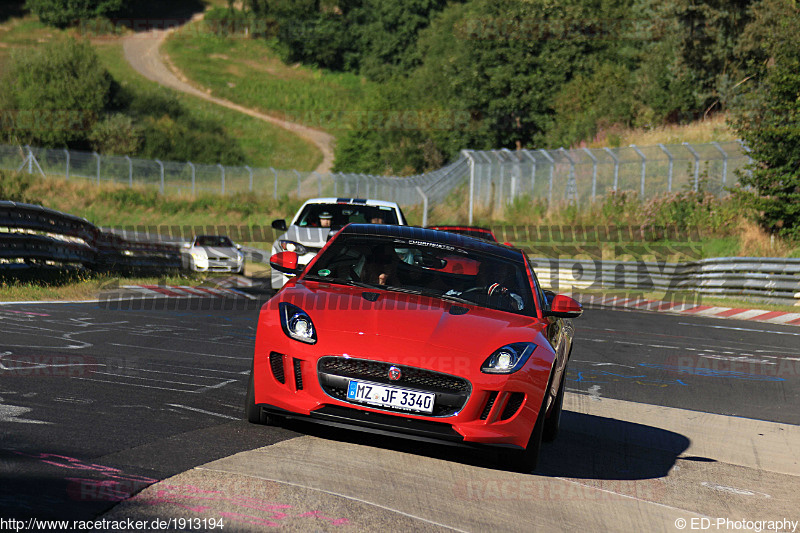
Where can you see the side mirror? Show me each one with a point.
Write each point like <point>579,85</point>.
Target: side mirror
<point>279,224</point>
<point>564,307</point>
<point>238,246</point>
<point>186,245</point>
<point>285,262</point>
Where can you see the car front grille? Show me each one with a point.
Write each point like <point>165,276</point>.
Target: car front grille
<point>452,392</point>
<point>515,401</point>
<point>276,364</point>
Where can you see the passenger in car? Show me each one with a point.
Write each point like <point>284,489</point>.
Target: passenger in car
<point>381,267</point>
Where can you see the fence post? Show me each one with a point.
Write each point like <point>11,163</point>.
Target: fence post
<point>616,167</point>
<point>572,185</point>
<point>275,193</point>
<point>97,156</point>
<point>161,167</point>
<point>749,157</point>
<point>724,161</point>
<point>530,156</point>
<point>194,183</point>
<point>130,171</point>
<point>696,166</point>
<point>250,171</point>
<point>644,170</point>
<point>222,178</point>
<point>471,182</point>
<point>671,162</point>
<point>66,153</point>
<point>298,183</point>
<point>552,170</point>
<point>424,206</point>
<point>594,172</point>
<point>30,159</point>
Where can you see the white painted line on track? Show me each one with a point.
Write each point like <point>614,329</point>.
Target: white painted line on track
<point>738,329</point>
<point>181,351</point>
<point>734,490</point>
<point>135,385</point>
<point>203,411</point>
<point>126,376</point>
<point>217,386</point>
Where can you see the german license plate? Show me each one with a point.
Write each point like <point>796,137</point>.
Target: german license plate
<point>408,400</point>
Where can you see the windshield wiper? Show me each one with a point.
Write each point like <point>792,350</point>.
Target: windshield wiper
<point>339,281</point>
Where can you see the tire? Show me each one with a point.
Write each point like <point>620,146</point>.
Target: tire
<point>552,422</point>
<point>254,413</point>
<point>525,461</point>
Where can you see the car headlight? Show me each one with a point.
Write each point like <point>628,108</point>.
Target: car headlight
<point>297,324</point>
<point>291,246</point>
<point>239,257</point>
<point>509,358</point>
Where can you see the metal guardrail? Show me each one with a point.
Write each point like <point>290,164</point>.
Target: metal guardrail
<point>32,235</point>
<point>770,280</point>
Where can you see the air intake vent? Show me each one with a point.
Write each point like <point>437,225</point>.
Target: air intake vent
<point>276,363</point>
<point>298,374</point>
<point>489,404</point>
<point>513,405</point>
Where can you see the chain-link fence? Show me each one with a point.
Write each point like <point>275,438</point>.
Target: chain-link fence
<point>495,177</point>
<point>498,177</point>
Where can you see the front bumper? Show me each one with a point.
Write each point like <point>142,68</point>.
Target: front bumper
<point>493,410</point>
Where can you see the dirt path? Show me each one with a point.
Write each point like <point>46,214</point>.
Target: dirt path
<point>142,52</point>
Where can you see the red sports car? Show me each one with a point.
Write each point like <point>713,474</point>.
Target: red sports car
<point>419,333</point>
<point>473,231</point>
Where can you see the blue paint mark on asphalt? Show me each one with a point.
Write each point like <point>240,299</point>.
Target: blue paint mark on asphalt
<point>708,372</point>
<point>604,376</point>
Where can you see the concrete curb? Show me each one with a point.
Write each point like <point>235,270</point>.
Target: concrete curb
<point>681,308</point>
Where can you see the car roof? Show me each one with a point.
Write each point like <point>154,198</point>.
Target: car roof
<point>433,236</point>
<point>351,201</point>
<point>480,229</point>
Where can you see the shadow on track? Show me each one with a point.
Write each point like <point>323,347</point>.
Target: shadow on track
<point>588,447</point>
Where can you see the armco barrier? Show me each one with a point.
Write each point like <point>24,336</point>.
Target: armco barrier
<point>770,280</point>
<point>32,235</point>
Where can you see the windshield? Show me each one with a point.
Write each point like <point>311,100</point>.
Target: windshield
<point>313,215</point>
<point>214,240</point>
<point>428,268</point>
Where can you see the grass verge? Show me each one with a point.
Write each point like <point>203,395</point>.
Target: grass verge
<point>248,72</point>
<point>264,144</point>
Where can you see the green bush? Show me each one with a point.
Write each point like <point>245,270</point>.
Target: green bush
<point>62,85</point>
<point>64,13</point>
<point>116,134</point>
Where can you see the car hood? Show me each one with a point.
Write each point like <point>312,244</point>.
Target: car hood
<point>316,237</point>
<point>216,251</point>
<point>409,326</point>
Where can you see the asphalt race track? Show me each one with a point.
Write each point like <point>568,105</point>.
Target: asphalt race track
<point>670,418</point>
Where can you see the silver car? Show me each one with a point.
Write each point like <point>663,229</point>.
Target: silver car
<point>314,221</point>
<point>213,253</point>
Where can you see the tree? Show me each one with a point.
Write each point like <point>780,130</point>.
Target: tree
<point>64,13</point>
<point>767,116</point>
<point>64,88</point>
